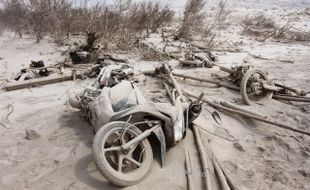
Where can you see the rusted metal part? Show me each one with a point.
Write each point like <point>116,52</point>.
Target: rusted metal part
<point>203,159</point>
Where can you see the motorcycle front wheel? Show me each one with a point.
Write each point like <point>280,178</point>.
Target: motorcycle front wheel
<point>122,167</point>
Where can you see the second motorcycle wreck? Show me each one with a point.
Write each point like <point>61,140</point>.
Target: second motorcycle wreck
<point>130,131</point>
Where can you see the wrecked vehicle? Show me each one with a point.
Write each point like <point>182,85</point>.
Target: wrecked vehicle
<point>125,123</point>
<point>253,84</point>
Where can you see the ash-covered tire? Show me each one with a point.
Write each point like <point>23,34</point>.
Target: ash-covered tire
<point>129,172</point>
<point>244,83</point>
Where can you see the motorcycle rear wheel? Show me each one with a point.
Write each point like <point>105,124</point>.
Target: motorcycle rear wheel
<point>245,85</point>
<point>121,167</point>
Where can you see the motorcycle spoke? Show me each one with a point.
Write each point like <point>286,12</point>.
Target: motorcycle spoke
<point>132,160</point>
<point>116,148</point>
<point>133,148</point>
<point>120,163</point>
<point>118,133</point>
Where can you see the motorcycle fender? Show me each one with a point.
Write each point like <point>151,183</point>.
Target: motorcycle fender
<point>159,133</point>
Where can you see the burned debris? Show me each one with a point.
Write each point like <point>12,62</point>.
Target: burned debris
<point>87,52</point>
<point>36,69</point>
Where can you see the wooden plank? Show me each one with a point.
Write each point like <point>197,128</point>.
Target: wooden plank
<point>38,81</point>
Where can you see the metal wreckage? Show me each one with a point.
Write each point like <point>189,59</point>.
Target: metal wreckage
<point>124,121</point>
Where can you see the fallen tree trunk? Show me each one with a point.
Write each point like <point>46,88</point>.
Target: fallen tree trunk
<point>38,82</point>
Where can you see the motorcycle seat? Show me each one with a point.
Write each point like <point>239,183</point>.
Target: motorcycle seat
<point>125,95</point>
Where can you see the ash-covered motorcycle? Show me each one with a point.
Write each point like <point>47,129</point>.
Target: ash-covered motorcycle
<point>125,123</point>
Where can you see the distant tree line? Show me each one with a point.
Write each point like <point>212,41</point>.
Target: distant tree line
<point>120,23</point>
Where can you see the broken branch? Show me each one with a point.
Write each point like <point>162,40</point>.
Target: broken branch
<point>218,83</point>
<point>220,175</point>
<point>259,118</point>
<point>174,82</point>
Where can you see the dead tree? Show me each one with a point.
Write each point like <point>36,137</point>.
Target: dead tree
<point>91,38</point>
<point>193,16</point>
<point>14,16</point>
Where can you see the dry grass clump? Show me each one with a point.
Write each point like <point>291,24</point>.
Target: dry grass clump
<point>193,17</point>
<point>150,16</point>
<point>137,20</point>
<point>196,21</point>
<point>14,16</point>
<point>120,24</point>
<point>152,55</point>
<point>265,28</point>
<point>257,24</point>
